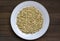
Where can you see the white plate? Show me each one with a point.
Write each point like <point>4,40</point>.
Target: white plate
<point>36,35</point>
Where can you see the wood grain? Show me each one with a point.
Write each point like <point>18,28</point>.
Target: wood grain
<point>6,32</point>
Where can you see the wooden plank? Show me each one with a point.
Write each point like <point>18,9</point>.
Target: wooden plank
<point>51,5</point>
<point>6,31</point>
<point>54,18</point>
<point>4,15</point>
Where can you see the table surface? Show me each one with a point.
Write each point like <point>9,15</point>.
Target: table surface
<point>6,32</point>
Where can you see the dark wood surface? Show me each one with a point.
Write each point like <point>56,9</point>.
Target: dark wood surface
<point>6,32</point>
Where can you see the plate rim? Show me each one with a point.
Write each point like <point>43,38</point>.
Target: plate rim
<point>11,17</point>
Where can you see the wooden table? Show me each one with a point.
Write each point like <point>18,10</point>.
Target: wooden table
<point>6,32</point>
